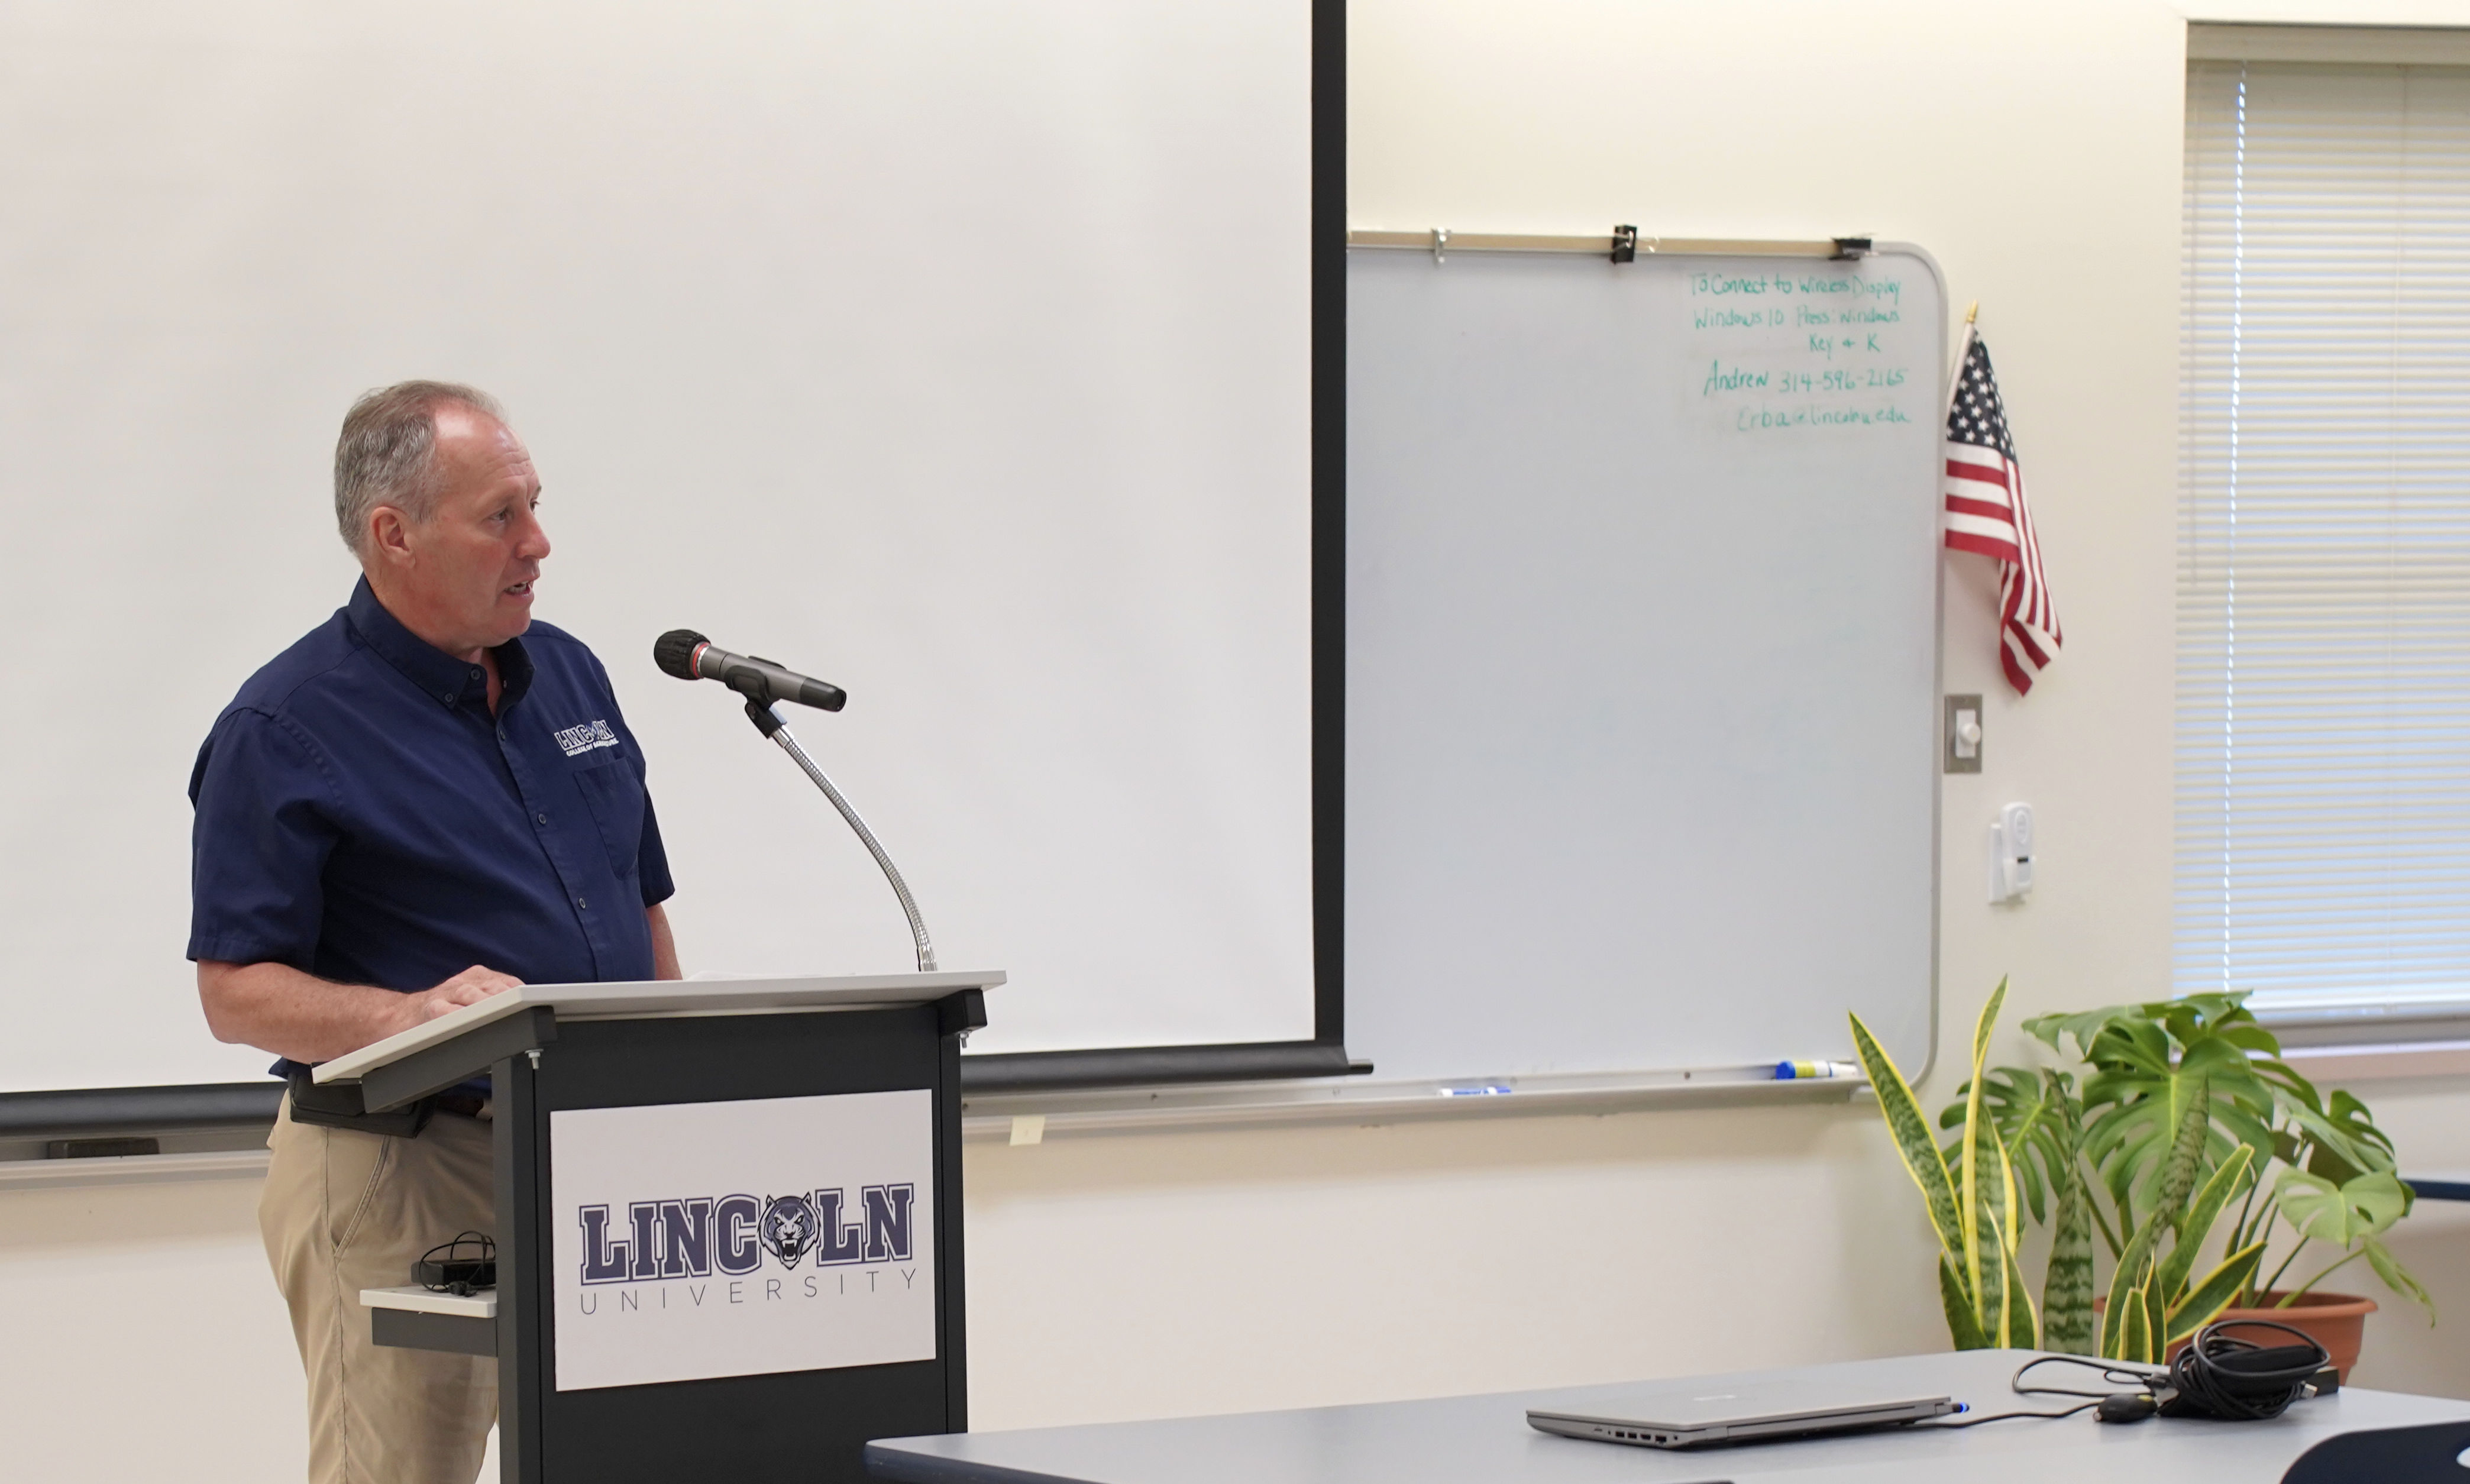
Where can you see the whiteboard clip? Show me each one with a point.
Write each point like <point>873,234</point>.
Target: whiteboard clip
<point>1851,247</point>
<point>1440,241</point>
<point>1624,245</point>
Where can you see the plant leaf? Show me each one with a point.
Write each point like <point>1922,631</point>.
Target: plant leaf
<point>2135,1329</point>
<point>1983,1271</point>
<point>2340,1214</point>
<point>2023,1325</point>
<point>1963,1325</point>
<point>2380,1199</point>
<point>1911,1132</point>
<point>2066,1287</point>
<point>1984,1024</point>
<point>2225,1186</point>
<point>2191,1107</point>
<point>2212,1294</point>
<point>2397,1277</point>
<point>2352,1116</point>
<point>2010,1224</point>
<point>2135,1264</point>
<point>2100,1224</point>
<point>2331,1150</point>
<point>2251,1038</point>
<point>2034,1116</point>
<point>1988,1268</point>
<point>2082,1027</point>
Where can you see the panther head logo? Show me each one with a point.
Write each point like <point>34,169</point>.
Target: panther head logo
<point>788,1228</point>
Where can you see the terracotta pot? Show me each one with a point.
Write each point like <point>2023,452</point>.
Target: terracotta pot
<point>2336,1321</point>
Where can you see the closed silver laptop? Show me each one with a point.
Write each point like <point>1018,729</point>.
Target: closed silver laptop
<point>1691,1414</point>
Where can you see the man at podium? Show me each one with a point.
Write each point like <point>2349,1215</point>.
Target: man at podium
<point>428,800</point>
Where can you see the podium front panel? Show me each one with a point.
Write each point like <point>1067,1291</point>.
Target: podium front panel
<point>798,1206</point>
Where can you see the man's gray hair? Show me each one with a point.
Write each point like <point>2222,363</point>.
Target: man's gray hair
<point>387,454</point>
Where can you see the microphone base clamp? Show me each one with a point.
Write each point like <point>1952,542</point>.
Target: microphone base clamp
<point>766,720</point>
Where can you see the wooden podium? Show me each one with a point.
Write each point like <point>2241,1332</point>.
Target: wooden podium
<point>727,1219</point>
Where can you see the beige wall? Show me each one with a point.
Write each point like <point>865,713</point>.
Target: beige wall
<point>2033,149</point>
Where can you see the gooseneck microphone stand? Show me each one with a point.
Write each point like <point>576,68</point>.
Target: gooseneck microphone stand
<point>767,721</point>
<point>762,683</point>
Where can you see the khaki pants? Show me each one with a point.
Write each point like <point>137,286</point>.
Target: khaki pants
<point>345,1211</point>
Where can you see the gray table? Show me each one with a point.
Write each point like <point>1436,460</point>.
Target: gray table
<point>1486,1438</point>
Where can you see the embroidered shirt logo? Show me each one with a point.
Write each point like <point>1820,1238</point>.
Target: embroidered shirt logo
<point>579,740</point>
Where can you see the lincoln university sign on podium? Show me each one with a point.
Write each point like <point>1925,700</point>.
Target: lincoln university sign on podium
<point>739,1239</point>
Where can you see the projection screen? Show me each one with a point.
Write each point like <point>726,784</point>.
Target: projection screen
<point>901,342</point>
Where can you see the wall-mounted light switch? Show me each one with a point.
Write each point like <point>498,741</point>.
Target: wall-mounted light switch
<point>1962,734</point>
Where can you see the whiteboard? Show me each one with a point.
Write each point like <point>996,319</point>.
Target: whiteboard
<point>861,335</point>
<point>1642,660</point>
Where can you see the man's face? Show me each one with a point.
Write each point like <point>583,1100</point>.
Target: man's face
<point>462,580</point>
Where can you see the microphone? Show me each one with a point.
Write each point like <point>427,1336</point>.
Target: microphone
<point>689,656</point>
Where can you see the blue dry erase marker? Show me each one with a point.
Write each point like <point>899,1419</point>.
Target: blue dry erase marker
<point>1795,1071</point>
<point>1484,1090</point>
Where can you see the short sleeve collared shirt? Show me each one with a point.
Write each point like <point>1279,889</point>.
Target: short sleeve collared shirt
<point>361,816</point>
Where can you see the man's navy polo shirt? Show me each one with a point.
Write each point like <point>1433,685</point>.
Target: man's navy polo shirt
<point>362,817</point>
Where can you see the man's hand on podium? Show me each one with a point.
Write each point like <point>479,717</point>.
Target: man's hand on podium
<point>277,1008</point>
<point>469,987</point>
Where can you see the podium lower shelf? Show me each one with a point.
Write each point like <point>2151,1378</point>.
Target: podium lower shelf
<point>415,1318</point>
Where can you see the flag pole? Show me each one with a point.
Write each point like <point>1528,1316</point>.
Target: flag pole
<point>1955,374</point>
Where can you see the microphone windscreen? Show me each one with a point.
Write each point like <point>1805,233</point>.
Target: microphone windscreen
<point>674,652</point>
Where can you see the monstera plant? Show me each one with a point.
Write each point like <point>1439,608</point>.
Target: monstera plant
<point>2183,1113</point>
<point>2320,1170</point>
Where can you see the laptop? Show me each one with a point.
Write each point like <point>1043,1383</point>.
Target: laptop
<point>1692,1414</point>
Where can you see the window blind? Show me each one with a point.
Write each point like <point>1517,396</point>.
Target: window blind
<point>2324,629</point>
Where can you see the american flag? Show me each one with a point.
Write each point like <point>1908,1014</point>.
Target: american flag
<point>1986,513</point>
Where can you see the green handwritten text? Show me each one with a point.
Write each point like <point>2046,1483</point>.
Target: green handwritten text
<point>1735,379</point>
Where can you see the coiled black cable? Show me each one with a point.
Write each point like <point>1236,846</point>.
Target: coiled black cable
<point>461,1268</point>
<point>2218,1374</point>
<point>2241,1380</point>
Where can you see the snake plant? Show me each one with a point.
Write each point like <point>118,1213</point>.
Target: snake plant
<point>2041,1120</point>
<point>1971,1197</point>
